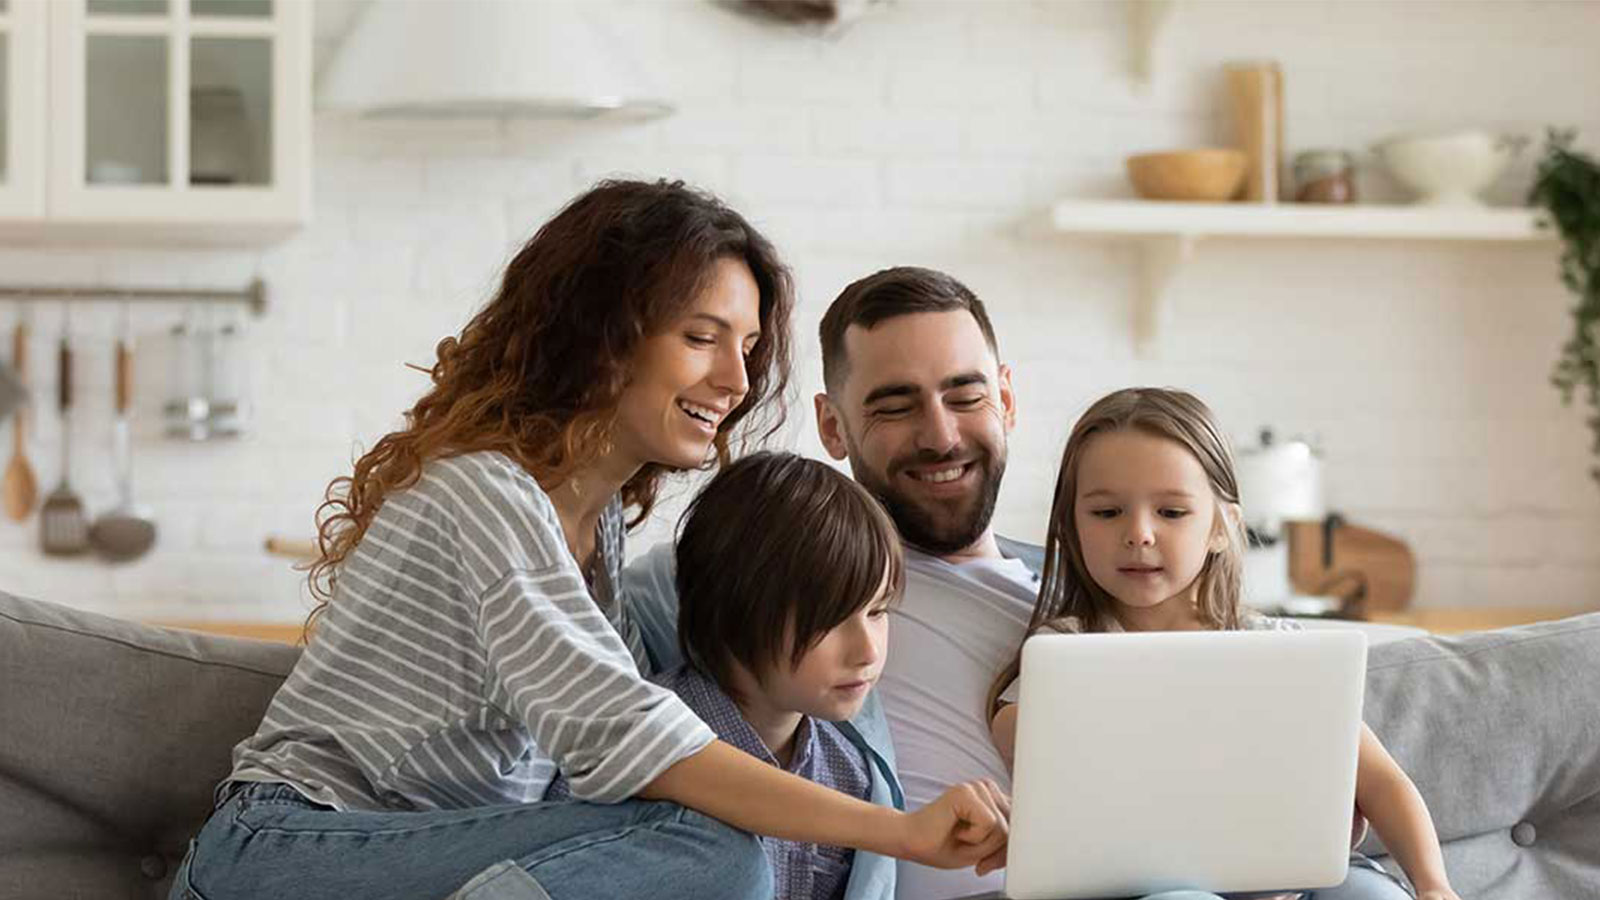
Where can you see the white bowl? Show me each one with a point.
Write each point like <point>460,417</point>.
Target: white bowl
<point>1448,169</point>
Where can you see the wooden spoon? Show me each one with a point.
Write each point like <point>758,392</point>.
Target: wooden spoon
<point>20,488</point>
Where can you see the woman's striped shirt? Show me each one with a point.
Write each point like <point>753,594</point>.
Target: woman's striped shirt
<point>464,657</point>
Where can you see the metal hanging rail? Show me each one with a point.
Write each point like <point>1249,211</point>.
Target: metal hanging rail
<point>254,295</point>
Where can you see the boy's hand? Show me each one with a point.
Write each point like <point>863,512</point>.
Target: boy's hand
<point>967,825</point>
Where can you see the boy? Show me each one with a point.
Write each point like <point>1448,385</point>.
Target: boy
<point>785,573</point>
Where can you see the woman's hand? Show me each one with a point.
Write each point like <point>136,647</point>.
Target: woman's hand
<point>967,825</point>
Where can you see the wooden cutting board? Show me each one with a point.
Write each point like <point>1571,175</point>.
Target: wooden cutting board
<point>1386,562</point>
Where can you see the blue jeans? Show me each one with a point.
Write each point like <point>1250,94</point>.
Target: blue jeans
<point>267,841</point>
<point>1365,881</point>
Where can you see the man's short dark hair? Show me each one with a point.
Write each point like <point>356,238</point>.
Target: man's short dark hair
<point>777,545</point>
<point>888,294</point>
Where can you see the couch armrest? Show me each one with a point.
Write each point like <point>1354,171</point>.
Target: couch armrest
<point>1500,730</point>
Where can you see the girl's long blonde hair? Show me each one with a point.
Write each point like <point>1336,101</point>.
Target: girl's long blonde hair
<point>1067,589</point>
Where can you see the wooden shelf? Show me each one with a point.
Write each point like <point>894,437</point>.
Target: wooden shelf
<point>1157,219</point>
<point>1169,234</point>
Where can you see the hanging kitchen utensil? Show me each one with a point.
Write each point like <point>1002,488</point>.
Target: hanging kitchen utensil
<point>19,486</point>
<point>63,528</point>
<point>188,411</point>
<point>225,386</point>
<point>12,393</point>
<point>127,531</point>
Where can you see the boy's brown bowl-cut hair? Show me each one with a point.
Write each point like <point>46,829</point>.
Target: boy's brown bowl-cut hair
<point>775,552</point>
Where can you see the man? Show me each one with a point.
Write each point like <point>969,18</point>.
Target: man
<point>920,404</point>
<point>918,401</point>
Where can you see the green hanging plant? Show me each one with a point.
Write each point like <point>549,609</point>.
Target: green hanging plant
<point>1568,188</point>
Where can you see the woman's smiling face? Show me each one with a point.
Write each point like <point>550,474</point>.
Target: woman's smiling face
<point>688,377</point>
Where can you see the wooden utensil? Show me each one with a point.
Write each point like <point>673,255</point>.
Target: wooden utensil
<point>63,528</point>
<point>20,488</point>
<point>1255,91</point>
<point>303,549</point>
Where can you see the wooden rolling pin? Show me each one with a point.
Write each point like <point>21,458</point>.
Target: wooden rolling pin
<point>293,548</point>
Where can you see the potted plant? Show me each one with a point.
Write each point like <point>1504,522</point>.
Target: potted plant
<point>1567,187</point>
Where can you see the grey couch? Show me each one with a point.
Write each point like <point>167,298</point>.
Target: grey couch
<point>113,734</point>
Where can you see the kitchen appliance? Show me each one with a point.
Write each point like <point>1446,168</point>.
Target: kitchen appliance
<point>1280,483</point>
<point>548,60</point>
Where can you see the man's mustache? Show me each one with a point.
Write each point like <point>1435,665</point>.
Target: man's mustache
<point>929,458</point>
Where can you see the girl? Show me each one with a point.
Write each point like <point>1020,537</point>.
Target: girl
<point>473,638</point>
<point>1145,536</point>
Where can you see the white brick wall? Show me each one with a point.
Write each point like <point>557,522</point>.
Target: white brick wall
<point>930,133</point>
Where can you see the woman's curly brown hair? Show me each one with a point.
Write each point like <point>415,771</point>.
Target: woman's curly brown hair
<point>538,372</point>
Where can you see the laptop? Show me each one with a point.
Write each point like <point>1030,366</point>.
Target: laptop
<point>1218,761</point>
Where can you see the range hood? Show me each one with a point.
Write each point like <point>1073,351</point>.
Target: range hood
<point>487,58</point>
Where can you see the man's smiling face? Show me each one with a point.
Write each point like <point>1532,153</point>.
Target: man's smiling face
<point>922,413</point>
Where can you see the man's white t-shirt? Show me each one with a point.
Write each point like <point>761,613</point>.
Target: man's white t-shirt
<point>952,633</point>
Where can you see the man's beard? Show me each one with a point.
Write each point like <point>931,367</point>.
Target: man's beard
<point>938,531</point>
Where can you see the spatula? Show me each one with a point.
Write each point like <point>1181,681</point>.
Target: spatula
<point>62,525</point>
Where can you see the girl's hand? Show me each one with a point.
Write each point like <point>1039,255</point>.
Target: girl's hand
<point>1439,894</point>
<point>967,825</point>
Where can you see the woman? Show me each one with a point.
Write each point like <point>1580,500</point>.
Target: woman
<point>472,640</point>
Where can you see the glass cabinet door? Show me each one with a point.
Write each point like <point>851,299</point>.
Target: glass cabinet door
<point>128,7</point>
<point>22,103</point>
<point>243,9</point>
<point>230,111</point>
<point>125,109</point>
<point>181,109</point>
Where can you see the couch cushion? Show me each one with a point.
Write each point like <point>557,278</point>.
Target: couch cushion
<point>1501,732</point>
<point>113,736</point>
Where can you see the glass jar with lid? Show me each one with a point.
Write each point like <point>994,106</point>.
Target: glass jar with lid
<point>1325,176</point>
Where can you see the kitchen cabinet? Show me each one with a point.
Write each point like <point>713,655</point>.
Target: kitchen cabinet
<point>22,123</point>
<point>170,121</point>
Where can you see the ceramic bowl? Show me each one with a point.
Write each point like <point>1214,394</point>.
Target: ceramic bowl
<point>1448,169</point>
<point>1205,174</point>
